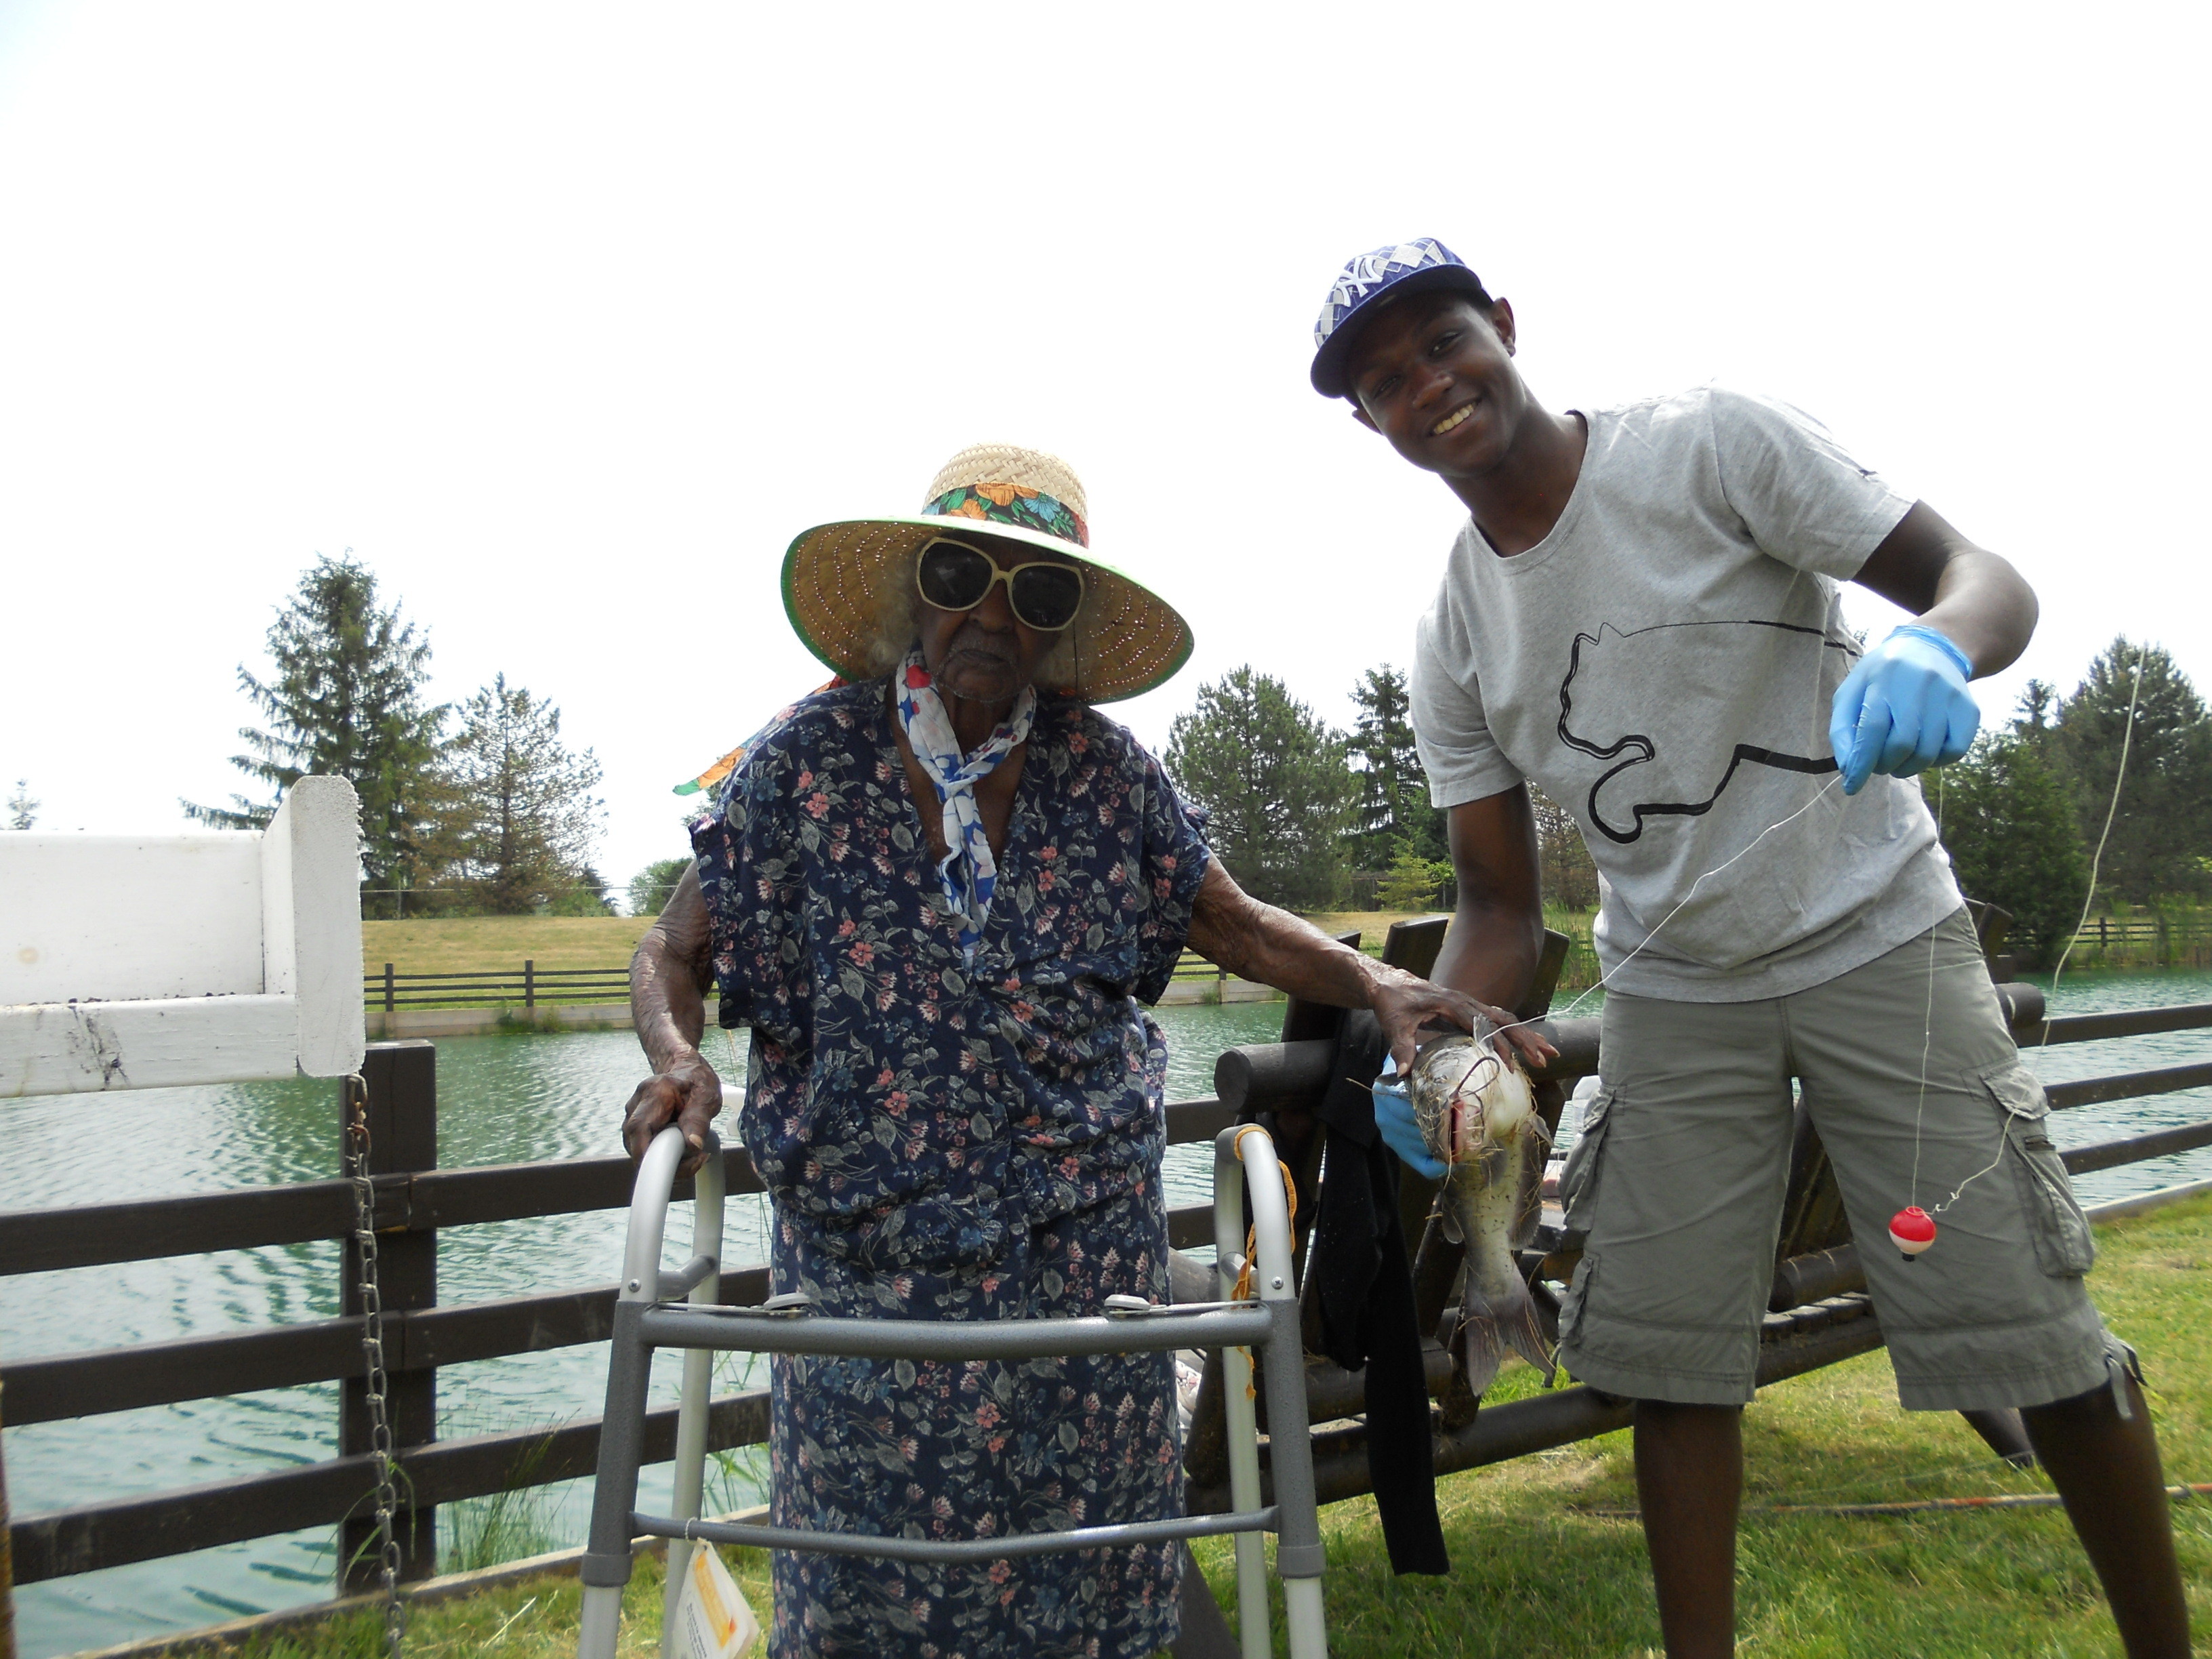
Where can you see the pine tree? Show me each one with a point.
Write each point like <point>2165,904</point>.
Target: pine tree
<point>22,810</point>
<point>521,820</point>
<point>2009,826</point>
<point>1412,882</point>
<point>1275,784</point>
<point>2161,830</point>
<point>1393,810</point>
<point>345,700</point>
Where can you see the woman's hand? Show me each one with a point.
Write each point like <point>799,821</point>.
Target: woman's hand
<point>1257,941</point>
<point>1404,1006</point>
<point>688,1094</point>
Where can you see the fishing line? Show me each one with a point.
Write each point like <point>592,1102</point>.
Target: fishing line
<point>1910,1241</point>
<point>1830,622</point>
<point>2097,859</point>
<point>1927,1040</point>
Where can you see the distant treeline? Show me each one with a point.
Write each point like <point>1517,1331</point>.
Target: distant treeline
<point>1305,816</point>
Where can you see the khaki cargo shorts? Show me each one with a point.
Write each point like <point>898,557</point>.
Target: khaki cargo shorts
<point>1677,1182</point>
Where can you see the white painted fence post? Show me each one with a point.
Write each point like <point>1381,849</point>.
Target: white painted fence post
<point>130,962</point>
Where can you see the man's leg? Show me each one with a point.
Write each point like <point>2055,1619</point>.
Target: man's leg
<point>1909,1072</point>
<point>1689,1483</point>
<point>2106,1469</point>
<point>1678,1186</point>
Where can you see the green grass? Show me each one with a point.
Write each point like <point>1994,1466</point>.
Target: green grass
<point>475,944</point>
<point>1534,1572</point>
<point>536,1619</point>
<point>1537,1571</point>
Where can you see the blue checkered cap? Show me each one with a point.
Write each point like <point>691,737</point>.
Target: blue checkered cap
<point>1424,261</point>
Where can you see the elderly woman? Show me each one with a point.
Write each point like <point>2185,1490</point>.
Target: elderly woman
<point>939,895</point>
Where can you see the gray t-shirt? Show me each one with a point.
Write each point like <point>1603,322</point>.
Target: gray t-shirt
<point>1662,665</point>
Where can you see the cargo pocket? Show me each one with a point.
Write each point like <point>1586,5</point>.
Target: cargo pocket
<point>2063,1245</point>
<point>1579,1180</point>
<point>1571,1305</point>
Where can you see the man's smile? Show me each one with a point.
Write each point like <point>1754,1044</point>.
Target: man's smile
<point>1455,419</point>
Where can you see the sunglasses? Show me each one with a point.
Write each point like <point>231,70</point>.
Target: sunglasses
<point>954,576</point>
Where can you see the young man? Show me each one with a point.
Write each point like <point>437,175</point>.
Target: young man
<point>1641,617</point>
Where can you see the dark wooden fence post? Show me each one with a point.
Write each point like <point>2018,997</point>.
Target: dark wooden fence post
<point>530,983</point>
<point>402,1138</point>
<point>7,1571</point>
<point>388,988</point>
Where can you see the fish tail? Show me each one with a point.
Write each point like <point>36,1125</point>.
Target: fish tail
<point>1482,1350</point>
<point>1501,1320</point>
<point>1525,1333</point>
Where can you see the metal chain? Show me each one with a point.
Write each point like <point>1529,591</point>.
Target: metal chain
<point>372,1345</point>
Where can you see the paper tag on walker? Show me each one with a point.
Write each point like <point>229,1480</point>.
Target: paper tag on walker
<point>713,1620</point>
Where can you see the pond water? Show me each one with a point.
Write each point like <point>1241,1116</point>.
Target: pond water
<point>504,1099</point>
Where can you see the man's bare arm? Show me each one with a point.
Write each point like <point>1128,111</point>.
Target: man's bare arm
<point>1968,594</point>
<point>669,974</point>
<point>1497,926</point>
<point>1259,942</point>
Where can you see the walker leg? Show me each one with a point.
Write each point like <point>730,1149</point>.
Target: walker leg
<point>1243,1420</point>
<point>1299,1554</point>
<point>1302,1612</point>
<point>606,1565</point>
<point>691,1411</point>
<point>602,1622</point>
<point>1244,1494</point>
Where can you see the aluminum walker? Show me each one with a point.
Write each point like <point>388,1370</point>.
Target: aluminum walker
<point>657,1309</point>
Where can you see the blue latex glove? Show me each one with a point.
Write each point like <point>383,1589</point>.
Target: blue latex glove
<point>1903,708</point>
<point>1393,1116</point>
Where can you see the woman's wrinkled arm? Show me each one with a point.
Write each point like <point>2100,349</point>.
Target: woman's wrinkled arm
<point>669,974</point>
<point>1257,941</point>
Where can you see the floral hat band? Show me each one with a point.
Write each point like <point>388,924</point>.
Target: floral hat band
<point>1013,504</point>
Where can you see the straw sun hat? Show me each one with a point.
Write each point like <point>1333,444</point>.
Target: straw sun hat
<point>849,587</point>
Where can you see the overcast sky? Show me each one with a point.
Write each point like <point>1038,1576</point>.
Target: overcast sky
<point>566,320</point>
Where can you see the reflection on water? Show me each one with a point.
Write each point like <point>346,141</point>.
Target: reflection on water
<point>504,1099</point>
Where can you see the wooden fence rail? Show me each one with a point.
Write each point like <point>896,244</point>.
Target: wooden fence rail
<point>415,1201</point>
<point>531,986</point>
<point>2156,938</point>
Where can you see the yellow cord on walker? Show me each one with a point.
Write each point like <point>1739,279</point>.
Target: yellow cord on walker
<point>1243,1291</point>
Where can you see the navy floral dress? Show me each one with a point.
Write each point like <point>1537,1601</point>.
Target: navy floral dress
<point>942,1142</point>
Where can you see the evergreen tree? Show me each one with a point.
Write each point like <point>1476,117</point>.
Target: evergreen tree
<point>2008,824</point>
<point>22,810</point>
<point>1275,783</point>
<point>345,700</point>
<point>1413,882</point>
<point>1393,810</point>
<point>650,887</point>
<point>519,820</point>
<point>2162,827</point>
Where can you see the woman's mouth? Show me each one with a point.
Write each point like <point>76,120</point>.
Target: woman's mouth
<point>1457,416</point>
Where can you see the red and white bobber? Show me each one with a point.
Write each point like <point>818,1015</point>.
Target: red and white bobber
<point>1912,1230</point>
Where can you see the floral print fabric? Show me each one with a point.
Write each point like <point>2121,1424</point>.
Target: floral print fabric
<point>957,1140</point>
<point>1015,504</point>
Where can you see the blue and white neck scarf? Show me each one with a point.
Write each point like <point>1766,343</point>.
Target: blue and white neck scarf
<point>969,871</point>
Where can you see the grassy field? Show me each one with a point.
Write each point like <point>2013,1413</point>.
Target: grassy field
<point>475,944</point>
<point>1547,1561</point>
<point>472,944</point>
